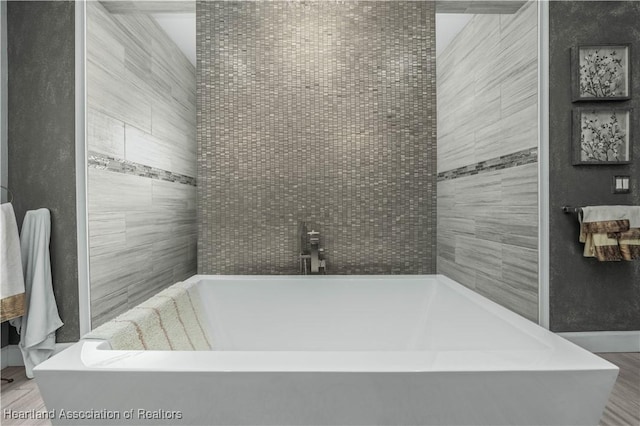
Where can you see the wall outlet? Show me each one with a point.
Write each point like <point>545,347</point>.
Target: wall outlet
<point>621,185</point>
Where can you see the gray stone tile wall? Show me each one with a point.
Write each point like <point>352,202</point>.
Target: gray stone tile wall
<point>487,159</point>
<point>141,161</point>
<point>322,112</point>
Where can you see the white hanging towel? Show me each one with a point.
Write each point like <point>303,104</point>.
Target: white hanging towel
<point>11,278</point>
<point>38,326</point>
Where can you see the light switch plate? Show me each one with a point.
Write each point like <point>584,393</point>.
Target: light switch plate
<point>621,185</point>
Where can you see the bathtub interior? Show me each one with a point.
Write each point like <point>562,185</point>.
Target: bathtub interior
<point>354,314</point>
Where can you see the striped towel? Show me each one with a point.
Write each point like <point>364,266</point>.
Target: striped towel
<point>629,243</point>
<point>122,335</point>
<point>149,327</point>
<point>611,233</point>
<point>186,314</point>
<point>597,239</point>
<point>170,320</point>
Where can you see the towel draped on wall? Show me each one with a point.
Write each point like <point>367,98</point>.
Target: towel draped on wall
<point>610,233</point>
<point>38,325</point>
<point>11,277</point>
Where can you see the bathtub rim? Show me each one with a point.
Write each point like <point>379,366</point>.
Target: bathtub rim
<point>561,355</point>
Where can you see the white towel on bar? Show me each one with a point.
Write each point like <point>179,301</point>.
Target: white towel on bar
<point>11,278</point>
<point>38,326</point>
<point>605,213</point>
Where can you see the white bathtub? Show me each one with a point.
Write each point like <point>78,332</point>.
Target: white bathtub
<point>339,350</point>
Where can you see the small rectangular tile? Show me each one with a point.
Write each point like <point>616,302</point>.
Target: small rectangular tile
<point>108,307</point>
<point>164,154</point>
<point>104,134</point>
<point>106,232</point>
<point>115,192</point>
<point>505,293</point>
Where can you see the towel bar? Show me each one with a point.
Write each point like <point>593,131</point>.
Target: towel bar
<point>569,209</point>
<point>8,192</point>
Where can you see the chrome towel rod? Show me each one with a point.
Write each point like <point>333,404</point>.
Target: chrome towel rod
<point>569,209</point>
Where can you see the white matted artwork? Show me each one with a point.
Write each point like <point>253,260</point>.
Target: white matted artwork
<point>601,136</point>
<point>601,72</point>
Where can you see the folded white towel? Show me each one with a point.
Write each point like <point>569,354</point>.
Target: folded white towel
<point>38,326</point>
<point>170,320</point>
<point>173,325</point>
<point>149,328</point>
<point>122,335</point>
<point>11,277</point>
<point>189,314</point>
<point>603,213</point>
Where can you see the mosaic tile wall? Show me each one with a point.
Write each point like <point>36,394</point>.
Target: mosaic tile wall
<point>321,112</point>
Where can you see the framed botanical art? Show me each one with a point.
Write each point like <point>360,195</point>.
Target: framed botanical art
<point>602,136</point>
<point>601,72</point>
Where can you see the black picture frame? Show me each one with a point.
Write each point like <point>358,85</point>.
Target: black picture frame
<point>583,64</point>
<point>589,150</point>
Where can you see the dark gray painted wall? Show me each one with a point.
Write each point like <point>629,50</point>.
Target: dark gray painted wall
<point>321,112</point>
<point>4,177</point>
<point>41,135</point>
<point>586,295</point>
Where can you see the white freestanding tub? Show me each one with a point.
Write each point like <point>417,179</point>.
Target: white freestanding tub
<point>338,350</point>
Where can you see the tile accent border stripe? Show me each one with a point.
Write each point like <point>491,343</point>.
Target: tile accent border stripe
<point>520,158</point>
<point>119,165</point>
